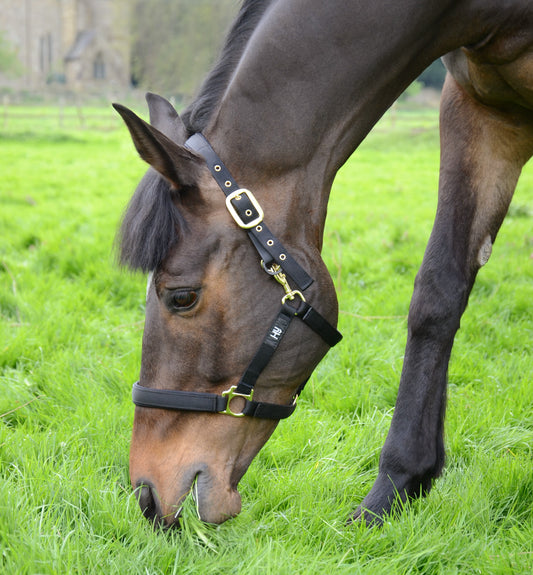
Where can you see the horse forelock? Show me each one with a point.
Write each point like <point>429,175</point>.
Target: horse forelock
<point>151,225</point>
<point>199,112</point>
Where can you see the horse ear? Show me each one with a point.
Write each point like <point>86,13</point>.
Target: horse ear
<point>180,166</point>
<point>164,117</point>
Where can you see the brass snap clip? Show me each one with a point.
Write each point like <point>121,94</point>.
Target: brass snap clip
<point>276,272</point>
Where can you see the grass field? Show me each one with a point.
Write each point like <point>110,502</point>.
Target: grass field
<point>71,326</point>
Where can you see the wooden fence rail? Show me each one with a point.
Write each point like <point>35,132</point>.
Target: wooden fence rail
<point>59,115</point>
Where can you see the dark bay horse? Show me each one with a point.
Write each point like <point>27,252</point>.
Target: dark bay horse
<point>298,86</point>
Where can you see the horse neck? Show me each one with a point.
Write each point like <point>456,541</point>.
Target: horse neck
<point>313,80</point>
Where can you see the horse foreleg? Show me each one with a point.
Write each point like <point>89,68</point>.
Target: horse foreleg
<point>482,153</point>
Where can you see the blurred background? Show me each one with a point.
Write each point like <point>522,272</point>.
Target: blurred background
<point>95,49</point>
<point>90,52</point>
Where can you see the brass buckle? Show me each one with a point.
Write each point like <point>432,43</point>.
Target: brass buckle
<point>230,394</point>
<point>236,195</point>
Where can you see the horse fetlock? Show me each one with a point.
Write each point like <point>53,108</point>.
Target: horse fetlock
<point>388,497</point>
<point>415,482</point>
<point>409,469</point>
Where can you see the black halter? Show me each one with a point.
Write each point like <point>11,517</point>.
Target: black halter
<point>276,262</point>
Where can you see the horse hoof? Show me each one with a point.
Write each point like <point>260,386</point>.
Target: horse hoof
<point>366,517</point>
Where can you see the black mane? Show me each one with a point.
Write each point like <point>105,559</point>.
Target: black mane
<point>199,112</point>
<point>152,223</point>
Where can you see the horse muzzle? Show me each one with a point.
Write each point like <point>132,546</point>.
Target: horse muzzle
<point>214,503</point>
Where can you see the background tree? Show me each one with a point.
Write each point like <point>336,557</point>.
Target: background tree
<point>433,76</point>
<point>175,42</point>
<point>9,63</point>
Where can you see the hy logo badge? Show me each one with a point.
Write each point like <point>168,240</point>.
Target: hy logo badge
<point>276,332</point>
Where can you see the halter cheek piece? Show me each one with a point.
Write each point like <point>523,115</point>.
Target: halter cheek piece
<point>276,262</point>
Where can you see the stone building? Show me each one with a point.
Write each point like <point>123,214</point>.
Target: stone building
<point>77,45</point>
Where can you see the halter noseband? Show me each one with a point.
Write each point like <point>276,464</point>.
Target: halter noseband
<point>276,262</point>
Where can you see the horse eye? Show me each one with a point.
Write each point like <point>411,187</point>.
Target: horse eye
<point>182,299</point>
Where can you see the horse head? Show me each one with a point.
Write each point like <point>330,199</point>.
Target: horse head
<point>210,311</point>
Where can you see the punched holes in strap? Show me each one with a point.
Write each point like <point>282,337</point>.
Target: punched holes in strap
<point>199,144</point>
<point>246,210</point>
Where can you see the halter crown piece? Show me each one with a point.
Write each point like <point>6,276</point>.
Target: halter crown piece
<point>276,262</point>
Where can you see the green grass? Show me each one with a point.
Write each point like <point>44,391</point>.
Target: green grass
<point>71,326</point>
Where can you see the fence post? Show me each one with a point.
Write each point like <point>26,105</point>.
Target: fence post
<point>393,113</point>
<point>79,110</point>
<point>5,101</point>
<point>61,111</point>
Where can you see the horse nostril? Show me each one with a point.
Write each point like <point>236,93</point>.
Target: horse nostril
<point>151,507</point>
<point>147,501</point>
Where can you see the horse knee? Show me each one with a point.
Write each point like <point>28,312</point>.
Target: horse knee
<point>439,299</point>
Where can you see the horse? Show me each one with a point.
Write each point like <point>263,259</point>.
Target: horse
<point>230,215</point>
